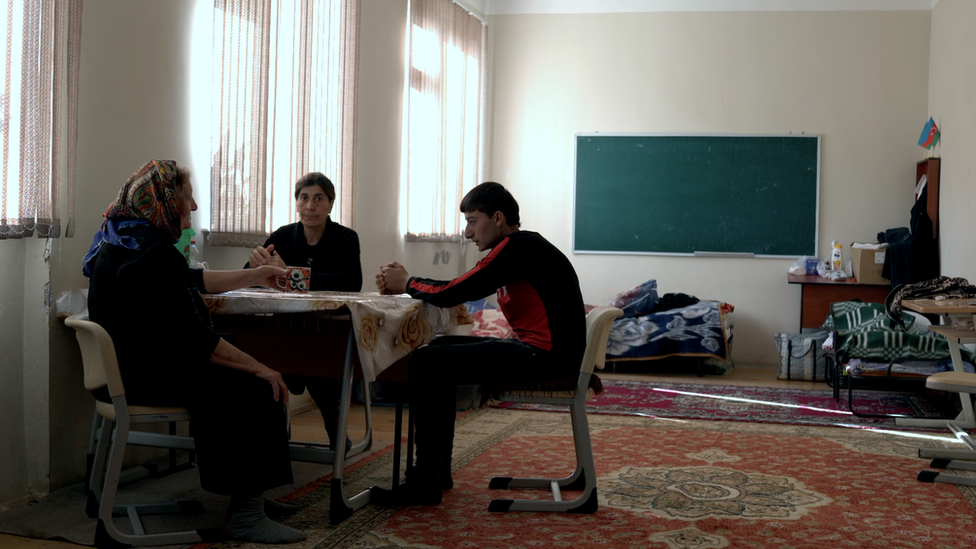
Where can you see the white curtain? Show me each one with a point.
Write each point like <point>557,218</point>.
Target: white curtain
<point>284,104</point>
<point>445,104</point>
<point>39,115</point>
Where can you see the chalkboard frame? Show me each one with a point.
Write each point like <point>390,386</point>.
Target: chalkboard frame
<point>702,253</point>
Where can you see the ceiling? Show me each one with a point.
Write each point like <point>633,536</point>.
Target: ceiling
<point>506,7</point>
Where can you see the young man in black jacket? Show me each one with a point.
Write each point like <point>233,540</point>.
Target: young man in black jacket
<point>538,292</point>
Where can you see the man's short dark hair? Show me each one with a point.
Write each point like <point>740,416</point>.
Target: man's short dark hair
<point>315,178</point>
<point>491,197</point>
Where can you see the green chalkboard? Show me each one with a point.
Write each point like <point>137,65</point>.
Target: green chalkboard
<point>687,194</point>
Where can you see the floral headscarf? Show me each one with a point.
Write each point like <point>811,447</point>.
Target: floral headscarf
<point>147,197</point>
<point>150,194</point>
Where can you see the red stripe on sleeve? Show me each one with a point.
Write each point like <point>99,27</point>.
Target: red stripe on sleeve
<point>433,289</point>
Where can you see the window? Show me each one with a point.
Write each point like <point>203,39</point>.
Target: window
<point>38,115</point>
<point>283,97</point>
<point>444,105</point>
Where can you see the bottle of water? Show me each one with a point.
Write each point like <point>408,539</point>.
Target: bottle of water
<point>196,258</point>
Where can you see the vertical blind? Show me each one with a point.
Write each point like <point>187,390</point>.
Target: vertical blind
<point>38,115</point>
<point>283,105</point>
<point>445,116</point>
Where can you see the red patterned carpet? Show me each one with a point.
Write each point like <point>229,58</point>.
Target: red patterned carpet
<point>761,404</point>
<point>674,484</point>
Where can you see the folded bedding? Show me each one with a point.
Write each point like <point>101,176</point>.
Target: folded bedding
<point>653,327</point>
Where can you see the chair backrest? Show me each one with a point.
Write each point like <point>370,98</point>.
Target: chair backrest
<point>97,355</point>
<point>598,325</point>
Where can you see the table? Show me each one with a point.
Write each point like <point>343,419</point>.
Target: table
<point>369,334</point>
<point>817,293</point>
<point>959,309</point>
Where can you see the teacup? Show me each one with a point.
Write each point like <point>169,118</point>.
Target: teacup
<point>297,279</point>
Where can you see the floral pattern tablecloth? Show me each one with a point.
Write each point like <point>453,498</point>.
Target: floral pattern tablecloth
<point>387,328</point>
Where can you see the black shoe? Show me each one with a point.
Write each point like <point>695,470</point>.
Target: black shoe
<point>405,494</point>
<point>446,481</point>
<point>332,429</point>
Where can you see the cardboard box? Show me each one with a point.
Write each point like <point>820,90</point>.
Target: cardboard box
<point>868,265</point>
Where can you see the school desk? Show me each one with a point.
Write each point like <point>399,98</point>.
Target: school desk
<point>949,309</point>
<point>960,315</point>
<point>333,334</point>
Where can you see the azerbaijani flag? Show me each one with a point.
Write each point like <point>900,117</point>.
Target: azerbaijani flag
<point>930,135</point>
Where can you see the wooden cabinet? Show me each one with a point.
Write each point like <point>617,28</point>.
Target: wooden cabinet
<point>817,293</point>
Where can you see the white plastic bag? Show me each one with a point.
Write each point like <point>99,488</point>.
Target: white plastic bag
<point>805,265</point>
<point>72,302</point>
<point>823,268</point>
<point>842,274</point>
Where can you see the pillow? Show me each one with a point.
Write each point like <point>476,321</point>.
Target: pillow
<point>637,301</point>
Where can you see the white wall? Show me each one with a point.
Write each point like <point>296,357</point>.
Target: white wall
<point>857,78</point>
<point>952,102</point>
<point>13,480</point>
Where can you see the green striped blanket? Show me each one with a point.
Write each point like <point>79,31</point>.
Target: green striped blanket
<point>863,331</point>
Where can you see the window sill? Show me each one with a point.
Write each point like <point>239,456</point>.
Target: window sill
<point>432,237</point>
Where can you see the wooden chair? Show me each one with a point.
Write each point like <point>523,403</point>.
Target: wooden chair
<point>101,369</point>
<point>965,384</point>
<point>598,325</point>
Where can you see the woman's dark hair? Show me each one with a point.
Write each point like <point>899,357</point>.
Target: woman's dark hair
<point>491,197</point>
<point>315,178</point>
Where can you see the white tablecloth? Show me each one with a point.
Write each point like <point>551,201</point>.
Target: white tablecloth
<point>387,328</point>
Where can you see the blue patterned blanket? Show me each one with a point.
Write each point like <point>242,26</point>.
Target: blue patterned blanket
<point>696,330</point>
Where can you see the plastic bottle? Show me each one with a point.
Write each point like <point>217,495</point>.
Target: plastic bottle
<point>837,256</point>
<point>196,258</point>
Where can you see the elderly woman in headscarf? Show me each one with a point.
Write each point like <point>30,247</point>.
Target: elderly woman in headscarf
<point>145,296</point>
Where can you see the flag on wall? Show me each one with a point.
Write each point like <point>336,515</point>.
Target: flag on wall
<point>930,135</point>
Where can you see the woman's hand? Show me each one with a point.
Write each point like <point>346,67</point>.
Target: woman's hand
<point>278,387</point>
<point>227,355</point>
<point>265,256</point>
<point>269,275</point>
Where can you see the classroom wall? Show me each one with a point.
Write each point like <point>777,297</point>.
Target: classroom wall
<point>857,78</point>
<point>952,102</point>
<point>13,482</point>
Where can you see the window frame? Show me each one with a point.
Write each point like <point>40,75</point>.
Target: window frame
<point>456,164</point>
